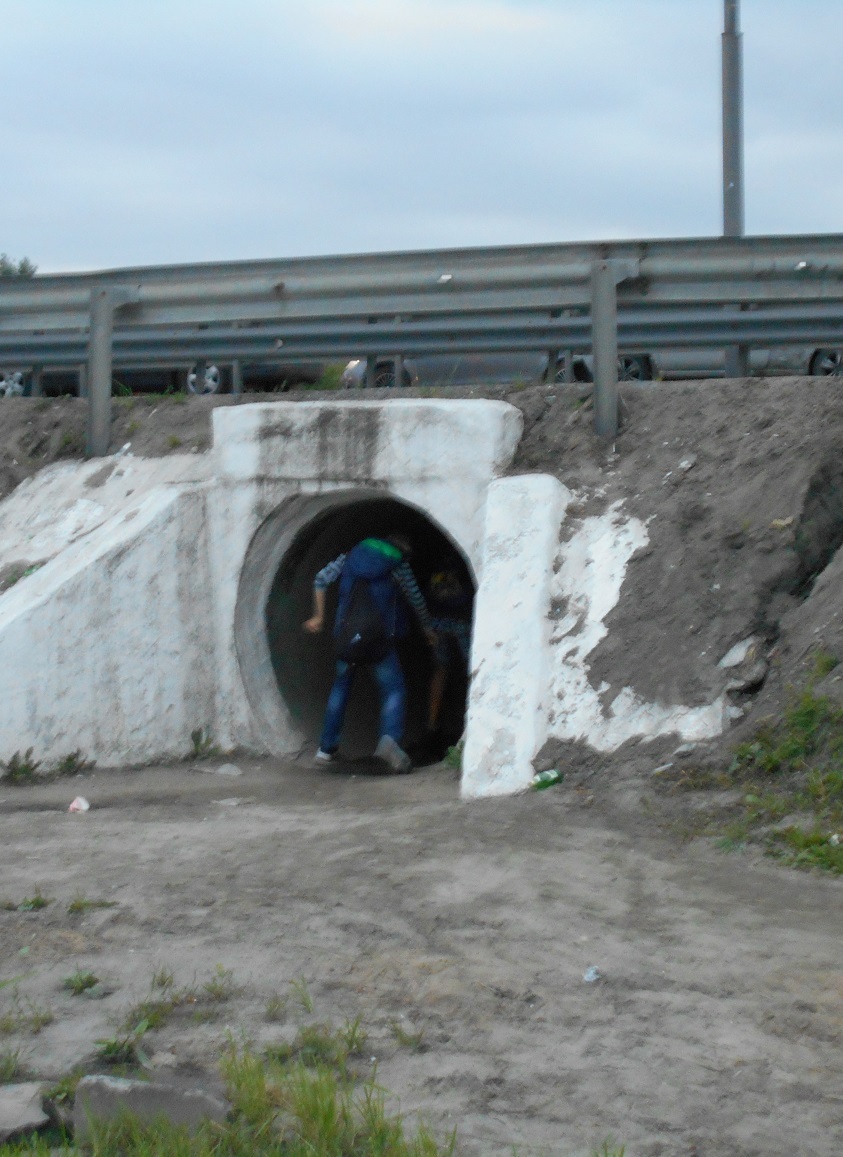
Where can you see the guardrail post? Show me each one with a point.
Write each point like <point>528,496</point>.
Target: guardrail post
<point>371,371</point>
<point>569,366</point>
<point>552,359</point>
<point>604,345</point>
<point>37,388</point>
<point>82,373</point>
<point>236,379</point>
<point>398,375</point>
<point>99,372</point>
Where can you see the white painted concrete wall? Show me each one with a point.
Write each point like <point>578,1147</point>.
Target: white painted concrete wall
<point>589,569</point>
<point>438,456</point>
<point>510,659</point>
<point>105,649</point>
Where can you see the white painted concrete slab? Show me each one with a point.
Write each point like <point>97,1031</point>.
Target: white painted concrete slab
<point>508,704</point>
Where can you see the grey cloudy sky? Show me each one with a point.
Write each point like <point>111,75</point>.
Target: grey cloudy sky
<point>146,131</point>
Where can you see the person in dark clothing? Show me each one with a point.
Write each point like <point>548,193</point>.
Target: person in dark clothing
<point>382,564</point>
<point>450,603</point>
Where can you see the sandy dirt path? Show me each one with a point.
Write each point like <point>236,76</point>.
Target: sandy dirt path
<point>714,1030</point>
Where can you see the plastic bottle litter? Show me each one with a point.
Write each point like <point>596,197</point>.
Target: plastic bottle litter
<point>591,975</point>
<point>80,804</point>
<point>546,779</point>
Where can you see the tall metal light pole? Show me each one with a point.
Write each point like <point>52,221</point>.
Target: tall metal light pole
<point>737,357</point>
<point>733,204</point>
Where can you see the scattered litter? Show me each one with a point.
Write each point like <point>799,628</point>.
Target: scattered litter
<point>734,713</point>
<point>834,840</point>
<point>781,523</point>
<point>230,769</point>
<point>591,975</point>
<point>80,804</point>
<point>685,749</point>
<point>687,464</point>
<point>233,802</point>
<point>546,779</point>
<point>660,770</point>
<point>124,449</point>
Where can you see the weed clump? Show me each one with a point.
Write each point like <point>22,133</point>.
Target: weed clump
<point>793,768</point>
<point>20,769</point>
<point>79,982</point>
<point>203,745</point>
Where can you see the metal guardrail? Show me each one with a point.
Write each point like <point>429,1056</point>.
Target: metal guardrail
<point>644,294</point>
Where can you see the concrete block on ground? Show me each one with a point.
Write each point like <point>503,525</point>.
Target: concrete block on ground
<point>20,1110</point>
<point>104,1098</point>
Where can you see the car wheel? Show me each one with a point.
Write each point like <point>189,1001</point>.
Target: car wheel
<point>632,369</point>
<point>827,363</point>
<point>581,371</point>
<point>385,377</point>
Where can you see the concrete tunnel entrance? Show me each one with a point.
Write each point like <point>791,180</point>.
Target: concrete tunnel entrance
<point>303,664</point>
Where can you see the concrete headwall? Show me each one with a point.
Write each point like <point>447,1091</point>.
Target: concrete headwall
<point>147,619</point>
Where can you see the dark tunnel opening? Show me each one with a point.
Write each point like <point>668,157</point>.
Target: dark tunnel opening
<point>304,664</point>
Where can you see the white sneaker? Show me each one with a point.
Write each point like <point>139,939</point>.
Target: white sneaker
<point>389,751</point>
<point>325,756</point>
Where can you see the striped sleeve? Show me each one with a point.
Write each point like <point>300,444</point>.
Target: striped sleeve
<point>410,589</point>
<point>329,574</point>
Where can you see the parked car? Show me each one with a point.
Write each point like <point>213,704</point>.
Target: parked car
<point>477,369</point>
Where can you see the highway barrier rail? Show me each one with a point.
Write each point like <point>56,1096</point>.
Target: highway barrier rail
<point>579,297</point>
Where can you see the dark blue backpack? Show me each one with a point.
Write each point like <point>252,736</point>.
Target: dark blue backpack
<point>362,634</point>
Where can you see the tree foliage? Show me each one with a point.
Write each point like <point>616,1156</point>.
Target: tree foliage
<point>11,268</point>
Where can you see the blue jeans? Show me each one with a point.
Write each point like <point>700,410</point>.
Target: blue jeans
<point>393,692</point>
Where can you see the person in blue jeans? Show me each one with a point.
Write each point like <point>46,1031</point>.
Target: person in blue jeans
<point>382,563</point>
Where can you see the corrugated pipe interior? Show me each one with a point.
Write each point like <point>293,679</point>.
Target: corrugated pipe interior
<point>287,673</point>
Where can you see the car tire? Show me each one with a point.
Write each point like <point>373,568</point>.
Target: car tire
<point>385,377</point>
<point>827,363</point>
<point>581,371</point>
<point>634,369</point>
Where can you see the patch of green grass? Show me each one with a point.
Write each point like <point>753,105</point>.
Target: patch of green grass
<point>453,756</point>
<point>124,1048</point>
<point>824,664</point>
<point>280,1109</point>
<point>79,982</point>
<point>203,745</point>
<point>74,763</point>
<point>63,1092</point>
<point>609,1149</point>
<point>792,766</point>
<point>813,849</point>
<point>11,1068</point>
<point>354,1036</point>
<point>221,986</point>
<point>302,994</point>
<point>25,1016</point>
<point>163,979</point>
<point>315,1045</point>
<point>408,1040</point>
<point>81,904</point>
<point>174,441</point>
<point>276,1008</point>
<point>34,903</point>
<point>20,769</point>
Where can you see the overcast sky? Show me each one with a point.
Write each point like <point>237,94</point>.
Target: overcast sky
<point>145,131</point>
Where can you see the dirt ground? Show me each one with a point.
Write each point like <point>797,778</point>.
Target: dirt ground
<point>716,1026</point>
